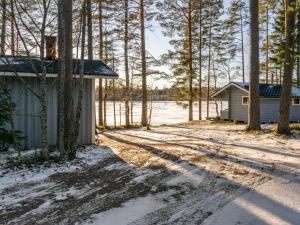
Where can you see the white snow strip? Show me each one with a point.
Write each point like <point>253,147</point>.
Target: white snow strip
<point>129,212</point>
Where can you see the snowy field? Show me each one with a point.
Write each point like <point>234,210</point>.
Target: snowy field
<point>179,174</point>
<point>162,112</point>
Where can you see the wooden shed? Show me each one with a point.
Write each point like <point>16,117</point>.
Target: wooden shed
<point>26,115</point>
<point>236,95</point>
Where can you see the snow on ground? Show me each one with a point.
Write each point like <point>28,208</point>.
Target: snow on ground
<point>179,174</point>
<point>40,175</point>
<point>129,212</point>
<point>275,202</point>
<point>162,112</point>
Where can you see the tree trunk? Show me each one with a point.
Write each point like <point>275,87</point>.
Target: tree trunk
<point>215,86</point>
<point>144,120</point>
<point>61,78</point>
<point>89,28</point>
<point>131,98</point>
<point>298,49</point>
<point>254,99</point>
<point>190,62</point>
<point>105,87</point>
<point>44,119</point>
<point>12,29</point>
<point>280,75</point>
<point>105,104</point>
<point>114,104</point>
<point>85,7</point>
<point>285,100</point>
<point>100,88</point>
<point>267,50</point>
<point>242,44</point>
<point>3,27</point>
<point>200,61</point>
<point>43,87</point>
<point>68,86</point>
<point>127,122</point>
<point>209,67</point>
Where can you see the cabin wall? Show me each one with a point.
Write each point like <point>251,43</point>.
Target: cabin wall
<point>270,109</point>
<point>238,111</point>
<point>26,114</point>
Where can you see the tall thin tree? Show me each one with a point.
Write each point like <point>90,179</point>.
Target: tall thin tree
<point>12,29</point>
<point>68,85</point>
<point>101,56</point>
<point>190,40</point>
<point>200,62</point>
<point>126,62</point>
<point>144,120</point>
<point>89,28</point>
<point>285,100</point>
<point>254,99</point>
<point>3,27</point>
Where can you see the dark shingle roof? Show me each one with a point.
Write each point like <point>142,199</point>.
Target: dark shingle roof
<point>269,90</point>
<point>93,68</point>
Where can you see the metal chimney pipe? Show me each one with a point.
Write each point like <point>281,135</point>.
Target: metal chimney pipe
<point>51,44</point>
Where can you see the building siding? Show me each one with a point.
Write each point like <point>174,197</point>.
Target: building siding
<point>238,110</point>
<point>269,107</point>
<point>26,114</point>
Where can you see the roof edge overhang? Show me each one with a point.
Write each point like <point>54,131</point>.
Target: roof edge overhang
<point>228,86</point>
<point>12,74</point>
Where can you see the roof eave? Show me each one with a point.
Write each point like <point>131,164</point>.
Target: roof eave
<point>86,76</point>
<point>226,87</point>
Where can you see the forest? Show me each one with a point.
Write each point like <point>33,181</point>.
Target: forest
<point>68,67</point>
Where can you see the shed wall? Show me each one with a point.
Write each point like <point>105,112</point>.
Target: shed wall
<point>269,107</point>
<point>238,110</point>
<point>26,114</point>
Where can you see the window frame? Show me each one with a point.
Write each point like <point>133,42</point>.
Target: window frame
<point>293,101</point>
<point>243,97</point>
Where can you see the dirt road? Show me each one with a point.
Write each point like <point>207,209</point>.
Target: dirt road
<point>177,174</point>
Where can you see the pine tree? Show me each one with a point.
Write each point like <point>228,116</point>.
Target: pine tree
<point>266,9</point>
<point>179,23</point>
<point>3,26</point>
<point>277,40</point>
<point>234,26</point>
<point>285,99</point>
<point>254,99</point>
<point>101,57</point>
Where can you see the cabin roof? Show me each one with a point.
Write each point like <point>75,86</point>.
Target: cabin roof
<point>23,65</point>
<point>265,90</point>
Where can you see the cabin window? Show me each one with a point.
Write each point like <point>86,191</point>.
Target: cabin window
<point>245,100</point>
<point>296,101</point>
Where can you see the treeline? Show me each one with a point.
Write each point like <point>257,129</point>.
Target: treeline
<point>156,94</point>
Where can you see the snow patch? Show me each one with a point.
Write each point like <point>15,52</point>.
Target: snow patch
<point>129,212</point>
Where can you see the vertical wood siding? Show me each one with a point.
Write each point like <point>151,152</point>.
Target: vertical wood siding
<point>238,110</point>
<point>269,108</point>
<point>27,112</point>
